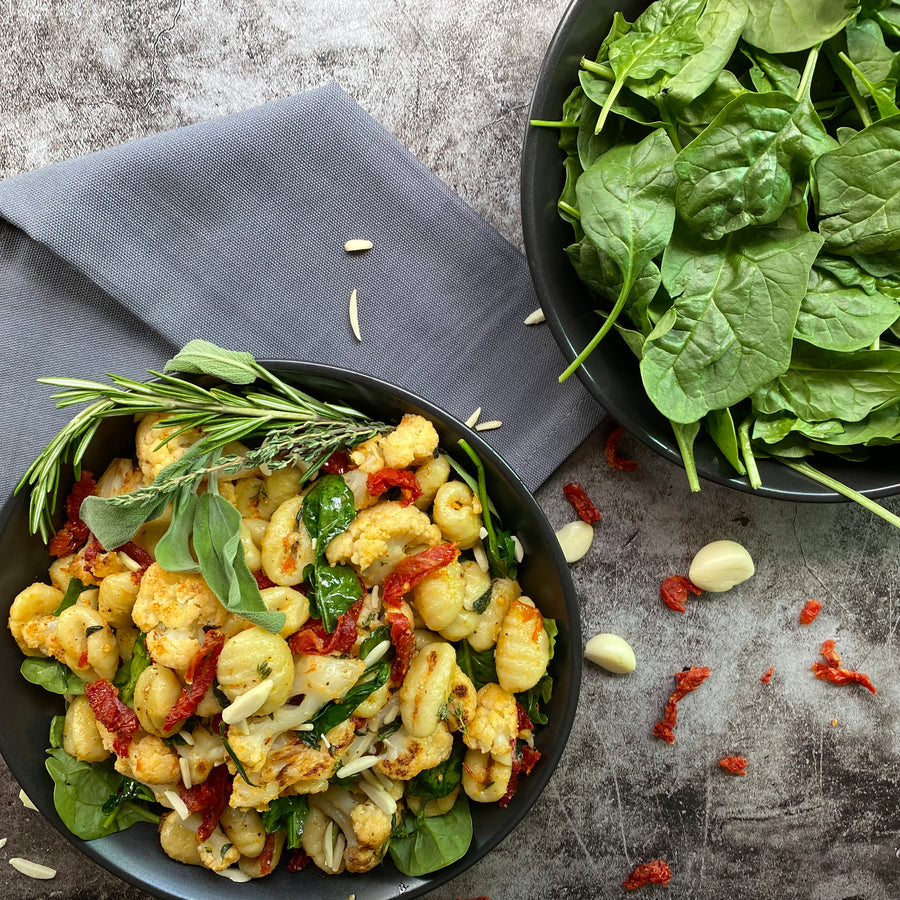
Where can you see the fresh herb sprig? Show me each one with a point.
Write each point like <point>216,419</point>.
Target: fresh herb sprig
<point>291,426</point>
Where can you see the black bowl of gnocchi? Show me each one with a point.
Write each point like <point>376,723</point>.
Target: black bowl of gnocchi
<point>282,622</point>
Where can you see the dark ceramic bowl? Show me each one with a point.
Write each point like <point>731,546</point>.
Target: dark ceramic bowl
<point>611,372</point>
<point>135,854</point>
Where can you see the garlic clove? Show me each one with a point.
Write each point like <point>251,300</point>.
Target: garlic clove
<point>720,565</point>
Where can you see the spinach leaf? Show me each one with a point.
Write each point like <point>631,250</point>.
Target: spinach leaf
<point>287,814</point>
<point>81,791</point>
<point>532,699</point>
<point>835,316</point>
<point>737,301</point>
<point>628,211</point>
<point>51,675</point>
<point>782,26</point>
<point>73,591</point>
<point>721,428</point>
<point>820,385</point>
<point>57,731</point>
<point>740,170</point>
<point>873,64</point>
<point>692,119</point>
<point>858,186</point>
<point>597,90</point>
<point>378,636</point>
<point>440,780</point>
<point>425,845</point>
<point>479,666</point>
<point>130,670</point>
<point>769,73</point>
<point>336,711</point>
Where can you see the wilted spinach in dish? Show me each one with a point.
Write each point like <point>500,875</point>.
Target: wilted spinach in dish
<point>733,183</point>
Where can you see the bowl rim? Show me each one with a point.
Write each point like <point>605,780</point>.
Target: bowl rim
<point>800,488</point>
<point>114,852</point>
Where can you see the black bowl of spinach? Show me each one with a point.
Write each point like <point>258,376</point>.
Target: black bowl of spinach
<point>732,222</point>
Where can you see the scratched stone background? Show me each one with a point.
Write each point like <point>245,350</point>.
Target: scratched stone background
<point>818,816</point>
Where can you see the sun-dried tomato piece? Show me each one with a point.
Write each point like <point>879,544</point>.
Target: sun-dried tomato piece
<point>112,713</point>
<point>581,503</point>
<point>138,554</point>
<point>524,759</point>
<point>199,677</point>
<point>411,571</point>
<point>299,860</point>
<point>734,765</point>
<point>404,642</point>
<point>312,638</point>
<point>831,655</point>
<point>384,479</point>
<point>810,610</point>
<point>831,670</point>
<point>74,533</point>
<point>523,720</point>
<point>263,581</point>
<point>656,872</point>
<point>686,681</point>
<point>210,799</point>
<point>674,591</point>
<point>338,463</point>
<point>611,449</point>
<point>267,857</point>
<point>766,677</point>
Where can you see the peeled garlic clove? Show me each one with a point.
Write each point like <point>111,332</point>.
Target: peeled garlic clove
<point>721,565</point>
<point>611,652</point>
<point>575,539</point>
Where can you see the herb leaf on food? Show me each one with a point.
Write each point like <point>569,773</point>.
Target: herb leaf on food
<point>425,844</point>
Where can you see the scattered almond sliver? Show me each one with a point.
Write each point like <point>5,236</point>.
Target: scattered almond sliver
<point>235,875</point>
<point>2,843</point>
<point>470,422</point>
<point>488,426</point>
<point>354,315</point>
<point>26,801</point>
<point>32,869</point>
<point>535,318</point>
<point>358,245</point>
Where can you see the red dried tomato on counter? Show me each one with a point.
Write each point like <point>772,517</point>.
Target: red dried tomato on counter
<point>581,503</point>
<point>611,450</point>
<point>686,682</point>
<point>766,677</point>
<point>656,872</point>
<point>734,765</point>
<point>831,670</point>
<point>674,591</point>
<point>810,610</point>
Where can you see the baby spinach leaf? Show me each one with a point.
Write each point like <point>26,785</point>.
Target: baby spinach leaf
<point>74,590</point>
<point>440,780</point>
<point>769,73</point>
<point>51,675</point>
<point>685,435</point>
<point>130,670</point>
<point>821,385</point>
<point>740,170</point>
<point>879,428</point>
<point>693,118</point>
<point>532,699</point>
<point>327,510</point>
<point>288,814</point>
<point>834,316</point>
<point>874,64</point>
<point>81,791</point>
<point>630,107</point>
<point>378,636</point>
<point>782,26</point>
<point>737,301</point>
<point>57,731</point>
<point>858,187</point>
<point>427,844</point>
<point>479,666</point>
<point>721,428</point>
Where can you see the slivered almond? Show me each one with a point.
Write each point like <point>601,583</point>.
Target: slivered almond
<point>470,422</point>
<point>248,703</point>
<point>535,318</point>
<point>26,801</point>
<point>354,315</point>
<point>358,245</point>
<point>488,426</point>
<point>32,869</point>
<point>177,804</point>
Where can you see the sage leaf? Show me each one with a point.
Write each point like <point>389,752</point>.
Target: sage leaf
<point>173,551</point>
<point>821,385</point>
<point>783,26</point>
<point>737,301</point>
<point>858,186</point>
<point>203,358</point>
<point>740,170</point>
<point>217,543</point>
<point>116,523</point>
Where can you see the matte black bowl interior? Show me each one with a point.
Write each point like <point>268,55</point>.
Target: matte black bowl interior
<point>611,373</point>
<point>135,854</point>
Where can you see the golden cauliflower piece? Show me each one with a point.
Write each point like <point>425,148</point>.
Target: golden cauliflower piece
<point>172,608</point>
<point>412,443</point>
<point>121,477</point>
<point>147,439</point>
<point>380,536</point>
<point>406,755</point>
<point>150,760</point>
<point>303,768</point>
<point>495,725</point>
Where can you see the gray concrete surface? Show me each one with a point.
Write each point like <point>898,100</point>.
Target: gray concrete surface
<point>818,816</point>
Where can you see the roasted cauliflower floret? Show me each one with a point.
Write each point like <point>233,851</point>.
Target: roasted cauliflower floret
<point>151,457</point>
<point>379,537</point>
<point>323,678</point>
<point>302,769</point>
<point>405,756</point>
<point>365,827</point>
<point>411,443</point>
<point>121,477</point>
<point>495,725</point>
<point>150,760</point>
<point>172,608</point>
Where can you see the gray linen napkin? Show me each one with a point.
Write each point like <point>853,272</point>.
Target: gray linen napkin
<point>233,230</point>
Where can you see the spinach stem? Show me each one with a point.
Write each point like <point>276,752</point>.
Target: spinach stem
<point>604,328</point>
<point>605,72</point>
<point>748,454</point>
<point>607,106</point>
<point>808,70</point>
<point>671,129</point>
<point>567,208</point>
<point>685,435</point>
<point>849,84</point>
<point>546,123</point>
<point>841,488</point>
